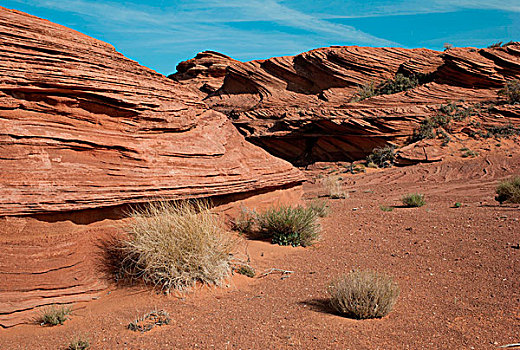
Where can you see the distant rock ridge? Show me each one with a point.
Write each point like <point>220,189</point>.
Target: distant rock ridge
<point>301,108</point>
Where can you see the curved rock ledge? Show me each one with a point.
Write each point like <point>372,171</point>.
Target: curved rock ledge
<point>81,127</point>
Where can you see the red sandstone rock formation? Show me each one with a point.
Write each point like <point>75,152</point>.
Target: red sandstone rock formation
<point>83,127</point>
<point>301,108</point>
<point>206,71</point>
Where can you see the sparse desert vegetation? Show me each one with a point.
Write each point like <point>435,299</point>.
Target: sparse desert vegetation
<point>320,207</point>
<point>334,187</point>
<point>288,225</point>
<point>79,343</point>
<point>54,315</point>
<point>508,190</point>
<point>363,294</point>
<point>511,91</point>
<point>150,320</point>
<point>413,200</point>
<point>174,245</point>
<point>382,157</point>
<point>246,270</point>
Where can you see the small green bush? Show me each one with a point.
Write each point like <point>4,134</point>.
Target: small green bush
<point>54,315</point>
<point>457,205</point>
<point>413,200</point>
<point>385,208</point>
<point>398,84</point>
<point>511,91</point>
<point>296,226</point>
<point>79,344</point>
<point>508,190</point>
<point>320,207</point>
<point>469,153</point>
<point>363,294</point>
<point>383,157</point>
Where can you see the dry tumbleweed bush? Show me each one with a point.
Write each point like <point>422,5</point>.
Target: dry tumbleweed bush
<point>363,294</point>
<point>174,245</point>
<point>334,187</point>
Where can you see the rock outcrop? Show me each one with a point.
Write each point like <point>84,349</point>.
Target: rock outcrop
<point>303,108</point>
<point>83,128</point>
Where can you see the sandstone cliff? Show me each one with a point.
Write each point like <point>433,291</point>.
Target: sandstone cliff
<point>81,127</point>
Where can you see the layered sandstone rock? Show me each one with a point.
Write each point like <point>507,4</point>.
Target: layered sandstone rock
<point>301,108</point>
<point>82,128</point>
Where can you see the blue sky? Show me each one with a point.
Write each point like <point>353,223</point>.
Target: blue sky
<point>161,33</point>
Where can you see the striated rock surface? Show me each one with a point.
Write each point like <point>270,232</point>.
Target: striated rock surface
<point>81,127</point>
<point>206,71</point>
<point>302,107</point>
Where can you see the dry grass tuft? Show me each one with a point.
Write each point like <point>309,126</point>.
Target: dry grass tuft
<point>363,294</point>
<point>54,315</point>
<point>245,222</point>
<point>175,245</point>
<point>334,187</point>
<point>508,190</point>
<point>79,343</point>
<point>320,207</point>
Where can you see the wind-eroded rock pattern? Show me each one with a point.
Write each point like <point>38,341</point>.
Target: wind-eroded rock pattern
<point>81,126</point>
<point>301,108</point>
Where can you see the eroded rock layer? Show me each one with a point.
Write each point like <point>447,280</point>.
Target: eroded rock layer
<point>303,108</point>
<point>81,127</point>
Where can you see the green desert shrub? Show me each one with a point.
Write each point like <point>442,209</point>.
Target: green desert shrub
<point>413,200</point>
<point>385,208</point>
<point>54,315</point>
<point>320,207</point>
<point>511,91</point>
<point>286,225</point>
<point>508,190</point>
<point>363,294</point>
<point>382,156</point>
<point>505,131</point>
<point>469,154</point>
<point>175,245</point>
<point>398,84</point>
<point>457,205</point>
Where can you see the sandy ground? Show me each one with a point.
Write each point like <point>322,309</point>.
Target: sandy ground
<point>457,269</point>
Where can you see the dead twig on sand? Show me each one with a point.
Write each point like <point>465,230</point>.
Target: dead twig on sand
<point>285,273</point>
<point>515,345</point>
